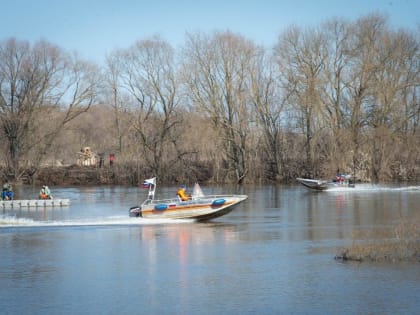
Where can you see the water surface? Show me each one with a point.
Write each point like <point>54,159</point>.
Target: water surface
<point>274,254</point>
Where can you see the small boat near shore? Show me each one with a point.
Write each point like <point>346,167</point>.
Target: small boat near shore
<point>34,203</point>
<point>199,207</point>
<point>342,181</point>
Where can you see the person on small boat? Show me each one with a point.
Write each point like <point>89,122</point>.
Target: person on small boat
<point>182,194</point>
<point>45,193</point>
<point>340,177</point>
<point>7,193</point>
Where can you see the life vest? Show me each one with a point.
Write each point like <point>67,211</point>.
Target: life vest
<point>181,193</point>
<point>44,196</point>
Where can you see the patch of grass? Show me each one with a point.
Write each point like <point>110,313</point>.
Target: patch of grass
<point>399,243</point>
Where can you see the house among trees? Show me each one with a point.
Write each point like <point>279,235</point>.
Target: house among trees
<point>87,157</point>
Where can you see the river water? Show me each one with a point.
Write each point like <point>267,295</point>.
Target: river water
<point>274,254</point>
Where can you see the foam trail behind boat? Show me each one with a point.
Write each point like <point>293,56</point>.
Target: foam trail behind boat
<point>12,221</point>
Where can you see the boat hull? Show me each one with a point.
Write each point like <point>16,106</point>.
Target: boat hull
<point>200,209</point>
<point>320,185</point>
<point>34,203</point>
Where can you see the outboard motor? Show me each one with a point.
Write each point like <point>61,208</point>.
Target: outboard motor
<point>135,211</point>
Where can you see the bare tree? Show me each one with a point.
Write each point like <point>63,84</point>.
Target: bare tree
<point>301,55</point>
<point>363,66</point>
<point>146,71</point>
<point>389,111</point>
<point>270,99</point>
<point>335,96</point>
<point>217,72</point>
<point>35,83</point>
<point>118,98</point>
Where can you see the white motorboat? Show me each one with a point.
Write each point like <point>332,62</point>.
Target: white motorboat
<point>199,207</point>
<point>341,181</point>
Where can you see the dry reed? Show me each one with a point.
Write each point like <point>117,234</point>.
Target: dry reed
<point>399,243</point>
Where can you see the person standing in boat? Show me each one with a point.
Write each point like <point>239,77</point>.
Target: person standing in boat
<point>338,176</point>
<point>182,193</point>
<point>45,193</point>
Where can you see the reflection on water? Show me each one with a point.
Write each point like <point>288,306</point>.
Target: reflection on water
<point>273,254</point>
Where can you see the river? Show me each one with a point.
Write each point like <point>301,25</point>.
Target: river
<point>274,254</point>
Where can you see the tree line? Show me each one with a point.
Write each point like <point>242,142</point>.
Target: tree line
<point>341,95</point>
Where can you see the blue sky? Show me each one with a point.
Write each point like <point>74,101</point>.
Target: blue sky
<point>95,28</point>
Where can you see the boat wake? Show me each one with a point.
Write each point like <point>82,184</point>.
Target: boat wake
<point>13,221</point>
<point>409,188</point>
<point>374,188</point>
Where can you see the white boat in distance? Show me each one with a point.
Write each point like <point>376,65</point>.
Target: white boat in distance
<point>342,181</point>
<point>200,207</point>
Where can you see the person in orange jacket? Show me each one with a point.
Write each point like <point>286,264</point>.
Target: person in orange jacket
<point>182,193</point>
<point>45,193</point>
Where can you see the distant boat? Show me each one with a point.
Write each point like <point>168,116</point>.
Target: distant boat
<point>341,181</point>
<point>200,207</point>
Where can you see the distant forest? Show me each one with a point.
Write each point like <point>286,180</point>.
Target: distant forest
<point>222,109</point>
